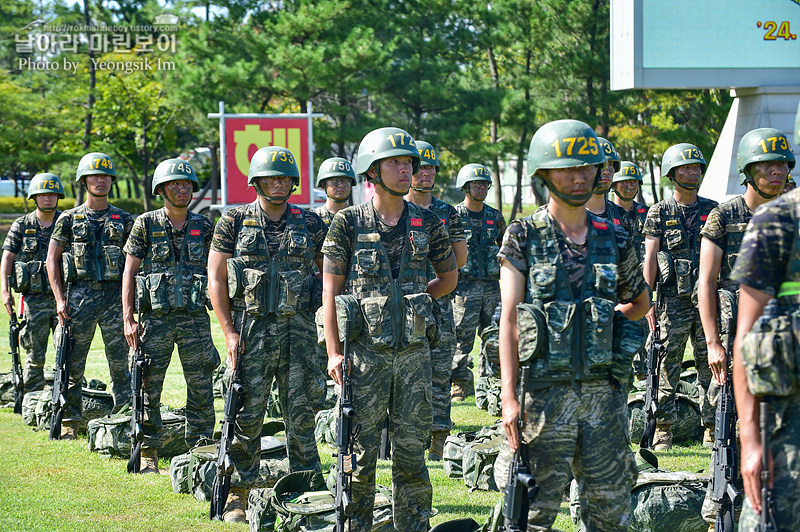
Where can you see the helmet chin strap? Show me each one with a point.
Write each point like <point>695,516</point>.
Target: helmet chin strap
<point>575,200</point>
<point>273,200</point>
<point>338,200</point>
<point>600,192</point>
<point>694,186</point>
<point>623,197</point>
<point>752,183</point>
<point>46,209</point>
<point>423,189</point>
<point>379,181</point>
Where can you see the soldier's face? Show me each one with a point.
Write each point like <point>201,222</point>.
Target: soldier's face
<point>424,177</point>
<point>396,172</point>
<point>338,188</point>
<point>46,202</point>
<point>179,192</point>
<point>606,174</point>
<point>98,184</point>
<point>770,176</point>
<point>479,189</point>
<point>575,181</point>
<point>688,174</point>
<point>627,189</point>
<point>275,186</point>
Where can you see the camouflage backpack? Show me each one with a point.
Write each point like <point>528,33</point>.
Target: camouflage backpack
<point>110,436</point>
<point>688,427</point>
<point>300,501</point>
<point>479,458</point>
<point>454,445</point>
<point>487,395</point>
<point>6,389</point>
<point>194,472</point>
<point>37,406</point>
<point>29,403</point>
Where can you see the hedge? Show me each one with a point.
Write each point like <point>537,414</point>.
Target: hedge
<point>10,205</point>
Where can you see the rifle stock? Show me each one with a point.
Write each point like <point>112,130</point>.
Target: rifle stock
<point>140,364</point>
<point>17,378</point>
<point>222,482</point>
<point>656,353</point>
<point>61,378</point>
<point>345,438</point>
<point>521,488</point>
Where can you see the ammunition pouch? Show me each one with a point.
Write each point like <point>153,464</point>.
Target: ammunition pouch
<point>377,312</point>
<point>421,322</point>
<point>157,293</point>
<point>560,318</point>
<point>236,266</point>
<point>532,327</point>
<point>347,311</point>
<point>684,277</point>
<point>294,294</point>
<point>80,250</point>
<point>107,268</point>
<point>666,267</point>
<point>110,269</point>
<point>599,320</point>
<point>69,272</point>
<point>30,278</point>
<point>770,354</point>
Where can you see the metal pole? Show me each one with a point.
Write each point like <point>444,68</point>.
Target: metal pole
<point>310,155</point>
<point>223,157</point>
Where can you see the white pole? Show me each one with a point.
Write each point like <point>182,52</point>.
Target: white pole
<point>310,155</point>
<point>223,164</point>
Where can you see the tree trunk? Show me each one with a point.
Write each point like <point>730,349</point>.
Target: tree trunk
<point>653,182</point>
<point>493,137</point>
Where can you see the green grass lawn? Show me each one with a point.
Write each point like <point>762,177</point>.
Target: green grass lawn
<point>62,486</point>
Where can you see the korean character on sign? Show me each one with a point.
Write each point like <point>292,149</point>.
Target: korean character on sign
<point>68,42</point>
<point>144,43</point>
<point>166,43</point>
<point>121,42</point>
<point>24,43</point>
<point>98,42</point>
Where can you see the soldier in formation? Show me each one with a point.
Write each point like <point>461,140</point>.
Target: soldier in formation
<point>627,183</point>
<point>165,277</point>
<point>378,253</point>
<point>568,271</point>
<point>478,290</point>
<point>93,234</point>
<point>23,263</point>
<point>599,204</point>
<point>767,270</point>
<point>336,177</point>
<point>672,251</point>
<point>263,254</point>
<point>441,355</point>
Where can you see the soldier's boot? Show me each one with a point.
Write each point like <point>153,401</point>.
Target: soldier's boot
<point>69,430</point>
<point>235,506</point>
<point>149,461</point>
<point>708,437</point>
<point>662,440</point>
<point>437,444</point>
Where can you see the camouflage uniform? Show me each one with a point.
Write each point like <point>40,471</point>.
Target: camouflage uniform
<point>678,228</point>
<point>390,370</point>
<point>633,222</point>
<point>96,238</point>
<point>277,340</point>
<point>318,372</point>
<point>325,214</point>
<point>442,355</point>
<point>28,240</point>
<point>175,257</point>
<point>574,407</point>
<point>768,258</point>
<point>478,290</point>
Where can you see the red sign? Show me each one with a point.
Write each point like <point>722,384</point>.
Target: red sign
<point>244,136</point>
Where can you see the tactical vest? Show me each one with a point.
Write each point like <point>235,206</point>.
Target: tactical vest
<point>325,214</point>
<point>442,210</point>
<point>166,282</point>
<point>277,285</point>
<point>397,312</point>
<point>98,260</point>
<point>675,243</point>
<point>579,330</point>
<point>482,248</point>
<point>736,215</point>
<point>789,291</point>
<point>638,215</point>
<point>29,275</point>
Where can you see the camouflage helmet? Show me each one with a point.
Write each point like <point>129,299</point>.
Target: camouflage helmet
<point>610,152</point>
<point>45,184</point>
<point>95,163</point>
<point>762,144</point>
<point>552,147</point>
<point>681,155</point>
<point>335,167</point>
<point>427,153</point>
<point>627,171</point>
<point>174,170</point>
<point>472,172</point>
<point>273,161</point>
<point>383,143</point>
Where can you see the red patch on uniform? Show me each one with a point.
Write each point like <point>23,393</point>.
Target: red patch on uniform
<point>599,225</point>
<point>294,211</point>
<point>115,216</point>
<point>194,232</point>
<point>616,221</point>
<point>444,221</point>
<point>641,210</point>
<point>416,222</point>
<point>489,222</point>
<point>703,217</point>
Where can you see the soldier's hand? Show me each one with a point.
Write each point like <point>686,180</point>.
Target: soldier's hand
<point>718,362</point>
<point>131,332</point>
<point>232,345</point>
<point>511,421</point>
<point>335,367</point>
<point>62,310</point>
<point>751,473</point>
<point>8,302</point>
<point>651,318</point>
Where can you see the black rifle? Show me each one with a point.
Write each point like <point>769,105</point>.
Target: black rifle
<point>725,476</point>
<point>222,482</point>
<point>385,449</point>
<point>140,364</point>
<point>16,365</point>
<point>656,353</point>
<point>345,439</point>
<point>61,378</point>
<point>521,488</point>
<point>767,523</point>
